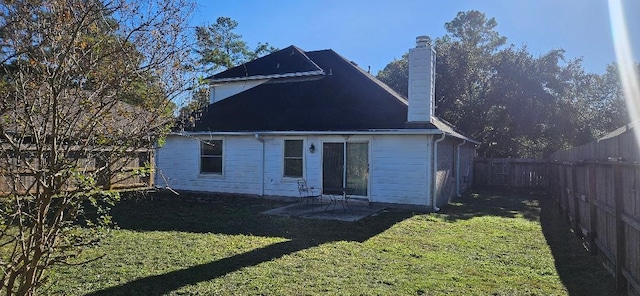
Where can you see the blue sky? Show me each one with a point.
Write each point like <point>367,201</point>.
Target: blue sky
<point>374,32</point>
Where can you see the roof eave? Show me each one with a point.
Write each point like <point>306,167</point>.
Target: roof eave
<point>261,77</point>
<point>298,133</point>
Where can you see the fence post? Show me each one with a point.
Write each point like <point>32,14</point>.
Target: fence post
<point>511,182</point>
<point>591,237</point>
<point>565,195</point>
<point>576,200</point>
<point>547,177</point>
<point>557,186</point>
<point>621,283</point>
<point>561,191</point>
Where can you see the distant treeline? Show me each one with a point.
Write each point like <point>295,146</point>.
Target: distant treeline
<point>515,104</point>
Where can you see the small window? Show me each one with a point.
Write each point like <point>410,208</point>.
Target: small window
<point>293,158</point>
<point>211,156</point>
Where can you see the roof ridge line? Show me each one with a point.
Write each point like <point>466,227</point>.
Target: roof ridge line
<point>282,51</point>
<point>304,53</point>
<point>375,80</point>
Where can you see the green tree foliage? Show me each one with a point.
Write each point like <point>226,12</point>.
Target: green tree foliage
<point>608,97</point>
<point>396,75</point>
<point>66,133</point>
<point>517,105</point>
<point>519,109</point>
<point>464,68</point>
<point>220,48</point>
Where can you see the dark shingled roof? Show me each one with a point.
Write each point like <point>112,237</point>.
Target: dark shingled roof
<point>344,98</point>
<point>285,61</point>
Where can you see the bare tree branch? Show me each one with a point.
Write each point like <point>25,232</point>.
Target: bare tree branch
<point>85,90</point>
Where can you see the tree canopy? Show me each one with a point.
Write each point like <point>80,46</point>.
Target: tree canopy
<point>220,48</point>
<point>515,104</point>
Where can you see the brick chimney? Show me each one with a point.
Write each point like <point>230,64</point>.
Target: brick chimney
<point>422,70</point>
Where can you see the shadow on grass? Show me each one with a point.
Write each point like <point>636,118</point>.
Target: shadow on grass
<point>233,215</point>
<point>493,203</point>
<point>580,272</point>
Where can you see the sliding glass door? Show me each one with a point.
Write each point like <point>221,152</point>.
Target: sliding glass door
<point>346,165</point>
<point>357,173</point>
<point>332,165</point>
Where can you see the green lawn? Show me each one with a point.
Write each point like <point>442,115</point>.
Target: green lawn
<point>487,244</point>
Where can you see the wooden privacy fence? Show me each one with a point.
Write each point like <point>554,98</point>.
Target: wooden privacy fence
<point>515,173</point>
<point>596,186</point>
<point>113,173</point>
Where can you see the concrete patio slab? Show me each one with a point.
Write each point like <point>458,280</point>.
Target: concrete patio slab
<point>354,212</point>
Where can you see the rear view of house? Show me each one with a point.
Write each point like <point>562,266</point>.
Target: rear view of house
<point>317,116</point>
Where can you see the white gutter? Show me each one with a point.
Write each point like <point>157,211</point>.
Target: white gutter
<point>272,76</point>
<point>458,167</point>
<point>262,166</point>
<point>434,188</point>
<point>299,133</point>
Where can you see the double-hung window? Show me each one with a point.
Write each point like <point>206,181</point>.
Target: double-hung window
<point>293,158</point>
<point>211,157</point>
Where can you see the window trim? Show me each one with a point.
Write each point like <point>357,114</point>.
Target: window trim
<point>201,156</point>
<point>284,158</point>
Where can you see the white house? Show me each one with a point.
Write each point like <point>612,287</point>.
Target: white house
<point>317,116</point>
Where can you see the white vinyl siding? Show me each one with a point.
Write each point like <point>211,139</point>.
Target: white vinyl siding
<point>399,166</point>
<point>400,169</point>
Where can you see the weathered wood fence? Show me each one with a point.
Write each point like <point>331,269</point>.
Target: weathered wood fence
<point>513,173</point>
<point>109,173</point>
<point>596,186</point>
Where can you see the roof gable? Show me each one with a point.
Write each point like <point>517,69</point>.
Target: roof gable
<point>345,98</point>
<point>289,60</point>
<point>316,91</point>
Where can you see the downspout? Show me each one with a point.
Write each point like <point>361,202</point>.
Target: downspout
<point>458,167</point>
<point>434,187</point>
<point>262,166</point>
<point>471,172</point>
